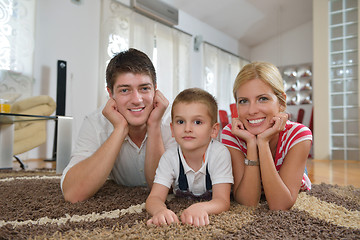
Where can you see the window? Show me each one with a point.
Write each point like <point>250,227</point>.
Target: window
<point>344,95</point>
<point>220,71</point>
<point>168,48</point>
<point>17,35</point>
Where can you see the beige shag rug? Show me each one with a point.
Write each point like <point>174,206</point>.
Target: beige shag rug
<point>32,207</point>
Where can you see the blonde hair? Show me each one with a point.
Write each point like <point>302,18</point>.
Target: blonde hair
<point>197,95</point>
<point>266,72</point>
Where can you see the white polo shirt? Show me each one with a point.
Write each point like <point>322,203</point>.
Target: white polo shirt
<point>128,169</point>
<point>217,157</point>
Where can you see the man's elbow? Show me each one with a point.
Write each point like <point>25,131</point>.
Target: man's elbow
<point>69,198</point>
<point>73,197</point>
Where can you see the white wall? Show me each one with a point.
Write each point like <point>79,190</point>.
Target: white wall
<point>195,27</point>
<point>70,32</point>
<point>292,47</point>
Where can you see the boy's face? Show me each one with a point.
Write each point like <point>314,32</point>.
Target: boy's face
<point>134,96</point>
<point>192,127</point>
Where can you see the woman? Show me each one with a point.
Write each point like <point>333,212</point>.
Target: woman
<point>268,152</point>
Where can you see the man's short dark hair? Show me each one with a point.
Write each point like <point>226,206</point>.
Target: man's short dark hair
<point>133,61</point>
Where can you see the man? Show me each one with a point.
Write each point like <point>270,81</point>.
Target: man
<point>126,140</point>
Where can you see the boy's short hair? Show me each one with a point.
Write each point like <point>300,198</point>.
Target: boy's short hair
<point>197,95</point>
<point>133,61</point>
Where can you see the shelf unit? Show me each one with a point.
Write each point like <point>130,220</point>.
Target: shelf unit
<point>298,87</point>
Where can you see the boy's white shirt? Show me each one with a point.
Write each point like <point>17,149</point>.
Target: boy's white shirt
<point>217,157</point>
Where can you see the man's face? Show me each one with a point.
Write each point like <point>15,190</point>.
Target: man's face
<point>134,95</point>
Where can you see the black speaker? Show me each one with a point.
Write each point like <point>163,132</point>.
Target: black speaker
<point>61,88</point>
<point>60,100</point>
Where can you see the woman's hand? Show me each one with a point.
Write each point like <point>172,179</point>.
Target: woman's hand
<point>278,124</point>
<point>238,129</point>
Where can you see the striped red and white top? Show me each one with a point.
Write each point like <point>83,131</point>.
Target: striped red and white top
<point>292,134</point>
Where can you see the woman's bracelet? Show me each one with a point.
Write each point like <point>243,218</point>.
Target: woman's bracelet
<point>251,162</point>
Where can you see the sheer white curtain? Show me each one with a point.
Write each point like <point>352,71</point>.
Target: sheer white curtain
<point>172,60</point>
<point>168,48</point>
<point>220,70</point>
<point>17,23</point>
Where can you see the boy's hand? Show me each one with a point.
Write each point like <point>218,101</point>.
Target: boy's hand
<point>164,217</point>
<point>113,115</point>
<point>279,122</point>
<point>238,129</point>
<point>195,215</point>
<point>160,105</point>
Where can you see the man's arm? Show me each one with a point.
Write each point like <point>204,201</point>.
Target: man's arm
<point>84,179</point>
<point>155,145</point>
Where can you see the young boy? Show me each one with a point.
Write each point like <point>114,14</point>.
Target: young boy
<point>197,166</point>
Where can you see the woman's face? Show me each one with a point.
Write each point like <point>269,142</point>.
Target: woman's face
<point>257,104</point>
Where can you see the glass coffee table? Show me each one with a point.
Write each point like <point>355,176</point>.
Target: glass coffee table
<point>63,136</point>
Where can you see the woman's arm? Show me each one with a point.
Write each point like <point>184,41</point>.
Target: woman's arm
<point>247,184</point>
<point>281,189</point>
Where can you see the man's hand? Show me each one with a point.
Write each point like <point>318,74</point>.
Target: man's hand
<point>114,116</point>
<point>195,215</point>
<point>160,105</point>
<point>164,217</point>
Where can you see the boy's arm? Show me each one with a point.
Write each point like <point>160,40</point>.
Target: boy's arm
<point>155,205</point>
<point>155,145</point>
<point>198,213</point>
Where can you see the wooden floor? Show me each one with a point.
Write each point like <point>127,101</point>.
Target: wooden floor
<point>328,171</point>
<point>339,172</point>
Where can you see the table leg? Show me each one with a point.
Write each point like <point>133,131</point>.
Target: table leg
<point>64,143</point>
<point>6,145</point>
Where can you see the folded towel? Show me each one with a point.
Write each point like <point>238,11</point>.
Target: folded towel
<point>29,137</point>
<point>38,105</point>
<point>30,134</point>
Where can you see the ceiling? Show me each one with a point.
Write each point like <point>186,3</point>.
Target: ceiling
<point>250,21</point>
